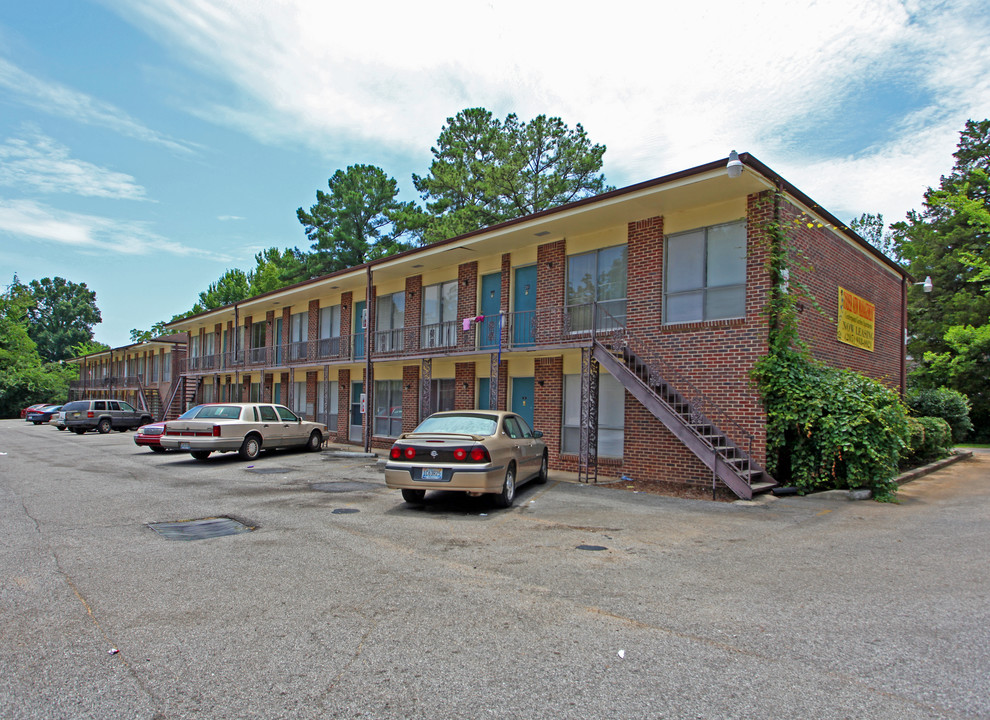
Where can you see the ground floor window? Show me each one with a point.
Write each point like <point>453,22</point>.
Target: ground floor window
<point>388,408</point>
<point>442,394</point>
<point>611,416</point>
<point>208,392</point>
<point>299,405</point>
<point>327,403</point>
<point>255,395</point>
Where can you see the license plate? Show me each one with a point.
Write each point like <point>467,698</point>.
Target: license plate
<point>432,474</point>
<point>184,446</point>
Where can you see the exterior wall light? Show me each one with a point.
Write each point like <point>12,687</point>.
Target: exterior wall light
<point>927,285</point>
<point>734,167</point>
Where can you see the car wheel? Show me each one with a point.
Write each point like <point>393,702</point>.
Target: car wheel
<point>104,426</point>
<point>60,429</point>
<point>414,497</point>
<point>504,499</point>
<point>198,454</point>
<point>544,469</point>
<point>156,448</point>
<point>315,441</point>
<point>36,422</point>
<point>79,431</point>
<point>250,448</point>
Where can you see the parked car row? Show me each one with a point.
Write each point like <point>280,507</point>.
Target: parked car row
<point>477,452</point>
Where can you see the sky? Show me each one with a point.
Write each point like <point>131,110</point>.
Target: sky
<point>146,146</point>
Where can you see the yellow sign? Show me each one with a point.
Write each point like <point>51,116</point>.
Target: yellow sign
<point>857,319</point>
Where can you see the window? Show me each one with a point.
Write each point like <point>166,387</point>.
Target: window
<point>611,416</point>
<point>327,391</point>
<point>299,404</point>
<point>597,277</point>
<point>440,315</point>
<point>388,408</point>
<point>257,352</point>
<point>268,413</point>
<point>330,331</point>
<point>298,334</point>
<point>705,274</point>
<point>442,394</point>
<point>390,319</point>
<point>167,368</point>
<point>254,393</point>
<point>286,415</point>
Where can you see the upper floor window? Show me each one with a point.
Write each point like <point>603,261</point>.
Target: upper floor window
<point>330,331</point>
<point>598,277</point>
<point>390,319</point>
<point>705,274</point>
<point>440,315</point>
<point>298,334</point>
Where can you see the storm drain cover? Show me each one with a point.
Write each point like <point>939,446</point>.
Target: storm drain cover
<point>270,471</point>
<point>199,529</point>
<point>592,547</point>
<point>345,511</point>
<point>342,487</point>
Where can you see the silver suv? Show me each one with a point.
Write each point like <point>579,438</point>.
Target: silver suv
<point>103,415</point>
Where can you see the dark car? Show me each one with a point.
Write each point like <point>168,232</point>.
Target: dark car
<point>42,415</point>
<point>103,415</point>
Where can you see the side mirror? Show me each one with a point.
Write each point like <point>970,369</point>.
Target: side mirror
<point>537,433</point>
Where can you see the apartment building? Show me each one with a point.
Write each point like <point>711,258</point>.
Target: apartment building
<point>623,326</point>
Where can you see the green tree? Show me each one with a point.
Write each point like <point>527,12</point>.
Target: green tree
<point>88,347</point>
<point>145,335</point>
<point>273,269</point>
<point>356,221</point>
<point>61,314</point>
<point>486,171</point>
<point>872,229</point>
<point>231,287</point>
<point>943,240</point>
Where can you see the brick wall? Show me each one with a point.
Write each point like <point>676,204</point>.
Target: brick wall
<point>464,386</point>
<point>410,397</point>
<point>467,301</point>
<point>414,304</point>
<point>343,404</point>
<point>311,380</point>
<point>548,403</point>
<point>551,266</point>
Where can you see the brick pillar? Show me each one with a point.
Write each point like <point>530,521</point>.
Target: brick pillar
<point>410,397</point>
<point>311,379</point>
<point>644,289</point>
<point>464,386</point>
<point>343,403</point>
<point>548,403</point>
<point>467,301</point>
<point>550,271</point>
<point>413,315</point>
<point>267,388</point>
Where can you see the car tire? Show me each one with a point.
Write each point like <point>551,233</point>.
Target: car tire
<point>104,426</point>
<point>156,448</point>
<point>504,499</point>
<point>79,431</point>
<point>315,441</point>
<point>250,448</point>
<point>544,469</point>
<point>36,422</point>
<point>60,429</point>
<point>198,454</point>
<point>414,497</point>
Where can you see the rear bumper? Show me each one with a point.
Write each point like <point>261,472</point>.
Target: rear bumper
<point>482,478</point>
<point>201,443</point>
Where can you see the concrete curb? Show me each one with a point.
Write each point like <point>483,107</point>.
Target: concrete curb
<point>932,467</point>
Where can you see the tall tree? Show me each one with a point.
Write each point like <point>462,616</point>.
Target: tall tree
<point>486,171</point>
<point>942,240</point>
<point>61,314</point>
<point>872,229</point>
<point>231,287</point>
<point>356,221</point>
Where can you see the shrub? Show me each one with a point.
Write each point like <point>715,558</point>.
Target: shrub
<point>950,405</point>
<point>937,440</point>
<point>830,428</point>
<point>916,438</point>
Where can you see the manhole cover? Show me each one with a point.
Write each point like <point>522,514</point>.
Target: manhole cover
<point>345,511</point>
<point>342,487</point>
<point>270,471</point>
<point>199,529</point>
<point>592,547</point>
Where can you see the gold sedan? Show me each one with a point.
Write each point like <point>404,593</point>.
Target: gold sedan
<point>474,451</point>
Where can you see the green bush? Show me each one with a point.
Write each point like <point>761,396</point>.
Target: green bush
<point>916,438</point>
<point>830,428</point>
<point>950,405</point>
<point>937,439</point>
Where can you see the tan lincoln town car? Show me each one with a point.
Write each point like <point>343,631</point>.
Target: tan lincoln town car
<point>245,428</point>
<point>474,451</point>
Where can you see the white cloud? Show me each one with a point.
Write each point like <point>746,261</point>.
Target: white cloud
<point>37,161</point>
<point>56,99</point>
<point>27,220</point>
<point>228,218</point>
<point>665,86</point>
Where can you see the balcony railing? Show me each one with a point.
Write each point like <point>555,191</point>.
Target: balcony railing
<point>543,327</point>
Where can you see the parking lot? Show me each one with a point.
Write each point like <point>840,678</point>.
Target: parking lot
<point>578,602</point>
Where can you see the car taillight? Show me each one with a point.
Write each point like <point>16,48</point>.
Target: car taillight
<point>460,454</point>
<point>480,454</point>
<point>216,431</point>
<point>395,453</point>
<point>410,452</point>
<point>90,414</point>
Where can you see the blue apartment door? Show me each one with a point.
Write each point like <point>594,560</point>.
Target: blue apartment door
<point>491,305</point>
<point>358,330</point>
<point>522,398</point>
<point>524,297</point>
<point>484,393</point>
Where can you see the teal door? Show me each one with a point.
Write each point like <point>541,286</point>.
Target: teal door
<point>491,305</point>
<point>524,297</point>
<point>522,398</point>
<point>358,330</point>
<point>484,391</point>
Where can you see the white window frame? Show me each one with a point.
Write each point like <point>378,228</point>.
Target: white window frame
<point>611,416</point>
<point>704,289</point>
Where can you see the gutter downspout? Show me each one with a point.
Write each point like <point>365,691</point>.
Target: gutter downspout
<point>369,383</point>
<point>237,374</point>
<point>904,336</point>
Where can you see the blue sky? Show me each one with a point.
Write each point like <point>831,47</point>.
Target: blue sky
<point>146,147</point>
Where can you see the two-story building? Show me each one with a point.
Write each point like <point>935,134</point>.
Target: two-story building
<point>623,326</point>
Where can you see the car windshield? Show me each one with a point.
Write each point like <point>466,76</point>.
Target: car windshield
<point>215,412</point>
<point>190,413</point>
<point>78,405</point>
<point>468,424</point>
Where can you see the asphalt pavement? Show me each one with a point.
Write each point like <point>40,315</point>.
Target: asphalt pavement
<point>578,602</point>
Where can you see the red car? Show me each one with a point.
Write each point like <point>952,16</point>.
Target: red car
<point>150,436</point>
<point>38,406</point>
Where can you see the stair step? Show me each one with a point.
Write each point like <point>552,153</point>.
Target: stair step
<point>762,487</point>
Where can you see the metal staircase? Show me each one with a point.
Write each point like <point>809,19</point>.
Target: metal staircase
<point>683,410</point>
<point>180,395</point>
